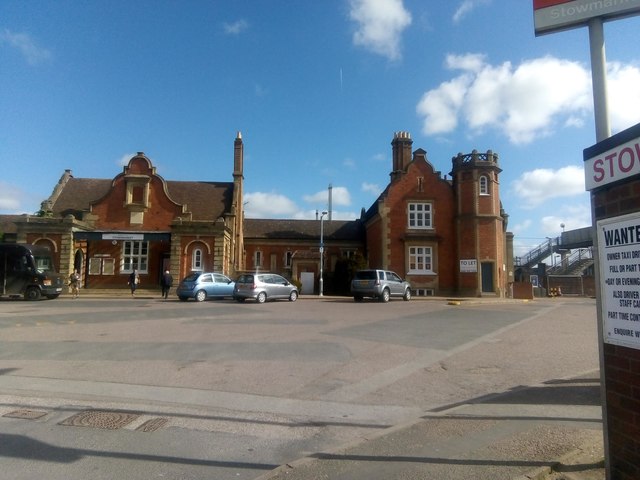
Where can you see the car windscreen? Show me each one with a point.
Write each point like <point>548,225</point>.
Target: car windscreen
<point>43,263</point>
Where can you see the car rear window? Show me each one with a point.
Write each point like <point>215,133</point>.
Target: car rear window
<point>245,279</point>
<point>366,275</point>
<point>191,278</point>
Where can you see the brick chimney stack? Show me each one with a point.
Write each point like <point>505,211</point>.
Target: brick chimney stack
<point>401,149</point>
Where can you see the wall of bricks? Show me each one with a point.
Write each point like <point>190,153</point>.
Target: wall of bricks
<point>621,364</point>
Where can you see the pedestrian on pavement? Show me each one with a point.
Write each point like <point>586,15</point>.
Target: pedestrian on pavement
<point>134,281</point>
<point>165,282</point>
<point>74,283</point>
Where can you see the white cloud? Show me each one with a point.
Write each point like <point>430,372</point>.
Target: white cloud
<point>235,28</point>
<point>9,198</point>
<point>466,7</point>
<point>571,215</point>
<point>339,196</point>
<point>539,185</point>
<point>123,161</point>
<point>380,25</point>
<point>623,85</point>
<point>523,102</point>
<point>371,188</point>
<point>268,205</point>
<point>33,54</point>
<point>349,163</point>
<point>16,201</point>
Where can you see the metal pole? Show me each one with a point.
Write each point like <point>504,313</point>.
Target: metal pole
<point>322,252</point>
<point>599,78</point>
<point>603,131</point>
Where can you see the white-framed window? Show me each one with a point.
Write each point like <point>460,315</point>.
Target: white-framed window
<point>484,185</point>
<point>135,256</point>
<point>197,262</point>
<point>424,292</point>
<point>257,259</point>
<point>420,216</point>
<point>420,260</point>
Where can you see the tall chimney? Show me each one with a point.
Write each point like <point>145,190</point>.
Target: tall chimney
<point>401,153</point>
<point>238,155</point>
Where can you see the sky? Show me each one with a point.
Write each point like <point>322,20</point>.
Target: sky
<point>317,89</point>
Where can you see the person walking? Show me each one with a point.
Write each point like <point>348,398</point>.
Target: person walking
<point>74,283</point>
<point>134,281</point>
<point>165,282</point>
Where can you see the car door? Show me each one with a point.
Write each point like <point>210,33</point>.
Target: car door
<point>223,285</point>
<point>205,282</point>
<point>279,286</point>
<point>395,284</point>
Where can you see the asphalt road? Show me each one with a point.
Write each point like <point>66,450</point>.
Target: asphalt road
<point>145,388</point>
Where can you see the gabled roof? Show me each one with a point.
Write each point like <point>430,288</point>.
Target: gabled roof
<point>205,200</point>
<point>345,230</point>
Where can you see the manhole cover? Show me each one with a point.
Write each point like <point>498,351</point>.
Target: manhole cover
<point>27,414</point>
<point>100,419</point>
<point>152,425</point>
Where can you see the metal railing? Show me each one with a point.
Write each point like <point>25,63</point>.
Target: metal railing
<point>539,253</point>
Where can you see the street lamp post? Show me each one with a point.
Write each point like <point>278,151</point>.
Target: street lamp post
<point>322,252</point>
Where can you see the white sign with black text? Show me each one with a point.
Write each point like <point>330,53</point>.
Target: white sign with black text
<point>469,266</point>
<point>619,256</point>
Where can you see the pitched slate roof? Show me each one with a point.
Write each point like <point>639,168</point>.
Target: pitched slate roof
<point>345,230</point>
<point>205,200</point>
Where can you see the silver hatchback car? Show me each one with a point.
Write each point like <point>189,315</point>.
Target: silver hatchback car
<point>263,287</point>
<point>380,284</point>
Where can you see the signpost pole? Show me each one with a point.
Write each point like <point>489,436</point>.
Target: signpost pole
<point>599,78</point>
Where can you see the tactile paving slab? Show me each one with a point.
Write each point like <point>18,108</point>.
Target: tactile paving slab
<point>100,419</point>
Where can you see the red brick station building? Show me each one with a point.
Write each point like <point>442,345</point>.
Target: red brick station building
<point>447,236</point>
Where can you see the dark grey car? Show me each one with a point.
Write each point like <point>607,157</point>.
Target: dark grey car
<point>380,284</point>
<point>263,287</point>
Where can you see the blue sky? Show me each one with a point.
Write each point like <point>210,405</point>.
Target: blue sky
<point>317,89</point>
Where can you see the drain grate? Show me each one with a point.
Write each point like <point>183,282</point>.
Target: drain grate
<point>100,419</point>
<point>152,425</point>
<point>26,414</point>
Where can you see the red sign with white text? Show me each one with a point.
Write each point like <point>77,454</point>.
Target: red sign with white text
<point>547,3</point>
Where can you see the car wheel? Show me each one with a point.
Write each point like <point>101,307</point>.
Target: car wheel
<point>32,293</point>
<point>407,295</point>
<point>385,296</point>
<point>293,296</point>
<point>201,296</point>
<point>357,298</point>
<point>183,298</point>
<point>262,297</point>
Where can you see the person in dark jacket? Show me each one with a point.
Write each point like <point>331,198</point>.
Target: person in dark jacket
<point>165,282</point>
<point>134,281</point>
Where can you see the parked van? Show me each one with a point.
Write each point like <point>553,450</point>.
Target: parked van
<point>27,271</point>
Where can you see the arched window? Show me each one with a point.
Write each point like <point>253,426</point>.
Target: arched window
<point>197,265</point>
<point>484,185</point>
